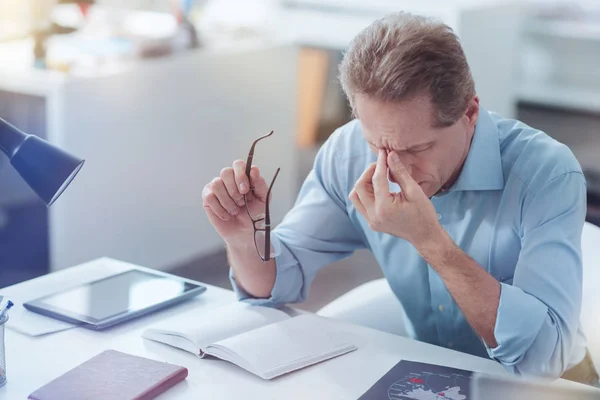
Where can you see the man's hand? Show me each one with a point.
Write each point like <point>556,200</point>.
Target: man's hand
<point>409,214</point>
<point>223,200</point>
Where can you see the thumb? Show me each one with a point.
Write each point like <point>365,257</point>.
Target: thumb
<point>400,174</point>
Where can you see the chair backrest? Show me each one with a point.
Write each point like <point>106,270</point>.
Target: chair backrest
<point>590,316</point>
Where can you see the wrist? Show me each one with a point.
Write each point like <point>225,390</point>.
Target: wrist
<point>437,247</point>
<point>241,243</point>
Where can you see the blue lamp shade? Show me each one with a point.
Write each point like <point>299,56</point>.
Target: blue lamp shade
<point>47,169</point>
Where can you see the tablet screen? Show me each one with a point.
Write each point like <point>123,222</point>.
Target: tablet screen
<point>125,292</point>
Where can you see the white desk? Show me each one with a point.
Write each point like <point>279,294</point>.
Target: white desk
<point>32,362</point>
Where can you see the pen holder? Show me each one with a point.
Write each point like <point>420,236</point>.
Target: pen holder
<point>2,352</point>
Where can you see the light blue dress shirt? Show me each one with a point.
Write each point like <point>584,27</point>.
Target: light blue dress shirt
<point>517,208</point>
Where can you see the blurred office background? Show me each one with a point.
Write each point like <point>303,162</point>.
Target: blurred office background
<point>159,95</point>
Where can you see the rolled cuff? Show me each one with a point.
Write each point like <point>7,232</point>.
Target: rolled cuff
<point>518,322</point>
<point>288,280</point>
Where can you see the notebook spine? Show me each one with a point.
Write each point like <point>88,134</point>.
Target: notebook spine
<point>164,385</point>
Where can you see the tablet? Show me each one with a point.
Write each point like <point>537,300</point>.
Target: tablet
<point>117,298</point>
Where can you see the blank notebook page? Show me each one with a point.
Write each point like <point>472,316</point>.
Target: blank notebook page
<point>289,344</point>
<point>229,320</point>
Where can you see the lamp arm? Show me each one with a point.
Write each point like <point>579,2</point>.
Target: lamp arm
<point>11,138</point>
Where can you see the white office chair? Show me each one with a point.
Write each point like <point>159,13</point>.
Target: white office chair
<point>373,304</point>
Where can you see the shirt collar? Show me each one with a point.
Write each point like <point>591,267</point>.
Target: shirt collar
<point>483,167</point>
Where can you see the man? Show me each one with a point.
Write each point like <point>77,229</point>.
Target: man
<point>477,230</point>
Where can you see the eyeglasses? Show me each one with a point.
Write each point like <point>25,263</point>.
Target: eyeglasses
<point>262,223</point>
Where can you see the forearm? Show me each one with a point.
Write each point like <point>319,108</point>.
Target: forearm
<point>251,273</point>
<point>476,292</point>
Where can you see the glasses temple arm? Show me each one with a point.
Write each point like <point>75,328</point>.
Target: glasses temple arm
<point>268,218</point>
<point>251,153</point>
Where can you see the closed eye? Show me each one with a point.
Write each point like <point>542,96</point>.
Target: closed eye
<point>421,149</point>
<point>411,150</point>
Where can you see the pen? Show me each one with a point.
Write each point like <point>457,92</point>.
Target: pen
<point>5,309</point>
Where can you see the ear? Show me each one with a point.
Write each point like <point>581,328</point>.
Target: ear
<point>472,112</point>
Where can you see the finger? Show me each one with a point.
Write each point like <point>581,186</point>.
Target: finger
<point>241,179</point>
<point>228,178</point>
<point>355,200</point>
<point>261,188</point>
<point>401,175</point>
<point>364,187</point>
<point>218,188</point>
<point>367,176</point>
<point>212,205</point>
<point>381,186</point>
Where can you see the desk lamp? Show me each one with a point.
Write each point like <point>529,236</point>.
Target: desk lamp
<point>47,169</point>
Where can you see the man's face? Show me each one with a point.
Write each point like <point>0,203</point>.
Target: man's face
<point>433,156</point>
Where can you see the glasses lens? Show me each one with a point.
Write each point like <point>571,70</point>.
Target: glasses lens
<point>255,215</point>
<point>259,240</point>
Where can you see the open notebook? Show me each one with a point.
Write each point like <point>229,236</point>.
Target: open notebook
<point>262,340</point>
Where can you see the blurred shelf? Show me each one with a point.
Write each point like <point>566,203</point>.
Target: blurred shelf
<point>387,6</point>
<point>559,62</point>
<point>334,23</point>
<point>558,95</point>
<point>565,29</point>
<point>18,75</point>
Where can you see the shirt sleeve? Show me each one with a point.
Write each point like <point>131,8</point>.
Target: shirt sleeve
<point>316,232</point>
<point>538,315</point>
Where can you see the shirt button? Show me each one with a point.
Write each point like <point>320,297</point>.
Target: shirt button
<point>439,216</point>
<point>441,307</point>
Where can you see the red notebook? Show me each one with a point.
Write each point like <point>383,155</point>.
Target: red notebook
<point>112,375</point>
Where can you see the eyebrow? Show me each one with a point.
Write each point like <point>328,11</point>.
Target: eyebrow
<point>416,146</point>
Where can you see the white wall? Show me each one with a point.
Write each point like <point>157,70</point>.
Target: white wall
<point>153,137</point>
<point>490,38</point>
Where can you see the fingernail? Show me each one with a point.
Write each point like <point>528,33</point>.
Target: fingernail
<point>240,202</point>
<point>235,211</point>
<point>394,157</point>
<point>243,187</point>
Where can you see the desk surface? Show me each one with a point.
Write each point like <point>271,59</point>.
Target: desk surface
<point>32,362</point>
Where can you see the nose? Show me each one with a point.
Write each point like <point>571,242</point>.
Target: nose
<point>407,160</point>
